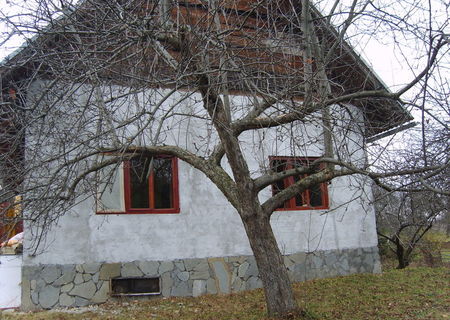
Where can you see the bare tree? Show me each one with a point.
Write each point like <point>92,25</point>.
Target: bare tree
<point>81,90</point>
<point>404,217</point>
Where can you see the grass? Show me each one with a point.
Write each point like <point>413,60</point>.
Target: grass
<point>445,253</point>
<point>414,293</point>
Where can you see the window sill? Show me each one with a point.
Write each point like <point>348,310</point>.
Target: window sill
<point>303,209</point>
<point>143,211</point>
<point>135,294</point>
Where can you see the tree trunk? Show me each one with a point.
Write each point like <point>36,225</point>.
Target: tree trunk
<point>272,271</point>
<point>402,258</point>
<point>402,263</point>
<point>447,221</point>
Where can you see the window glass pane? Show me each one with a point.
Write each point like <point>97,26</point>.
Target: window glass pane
<point>315,196</point>
<point>279,166</point>
<point>149,285</point>
<point>139,188</point>
<point>162,168</point>
<point>134,286</point>
<point>299,198</point>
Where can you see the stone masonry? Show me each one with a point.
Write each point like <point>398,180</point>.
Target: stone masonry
<point>51,286</point>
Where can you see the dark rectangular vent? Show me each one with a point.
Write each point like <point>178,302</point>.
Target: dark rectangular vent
<point>135,286</point>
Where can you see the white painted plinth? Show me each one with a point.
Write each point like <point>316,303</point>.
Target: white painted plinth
<point>10,278</point>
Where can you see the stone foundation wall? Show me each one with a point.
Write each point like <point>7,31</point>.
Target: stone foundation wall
<point>51,286</point>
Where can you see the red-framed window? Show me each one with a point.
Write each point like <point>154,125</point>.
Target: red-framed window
<point>316,197</point>
<point>151,184</point>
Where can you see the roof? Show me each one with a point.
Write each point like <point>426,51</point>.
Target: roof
<point>257,35</point>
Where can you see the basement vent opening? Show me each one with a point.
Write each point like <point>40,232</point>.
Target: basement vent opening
<point>135,286</point>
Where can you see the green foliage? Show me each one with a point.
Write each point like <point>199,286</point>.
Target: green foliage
<point>436,237</point>
<point>413,293</point>
<point>432,248</point>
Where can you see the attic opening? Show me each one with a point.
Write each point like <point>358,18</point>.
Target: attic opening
<point>135,286</point>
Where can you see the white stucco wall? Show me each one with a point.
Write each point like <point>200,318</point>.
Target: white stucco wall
<point>10,278</point>
<point>207,225</point>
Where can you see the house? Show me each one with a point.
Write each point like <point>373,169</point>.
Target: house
<point>107,215</point>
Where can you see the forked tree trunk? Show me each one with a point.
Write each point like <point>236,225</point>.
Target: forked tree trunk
<point>272,271</point>
<point>402,262</point>
<point>402,256</point>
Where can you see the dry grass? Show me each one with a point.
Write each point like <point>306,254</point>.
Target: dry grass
<point>415,293</point>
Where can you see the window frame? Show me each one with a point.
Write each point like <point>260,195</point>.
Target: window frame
<point>175,190</point>
<point>125,191</point>
<point>131,281</point>
<point>290,205</point>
